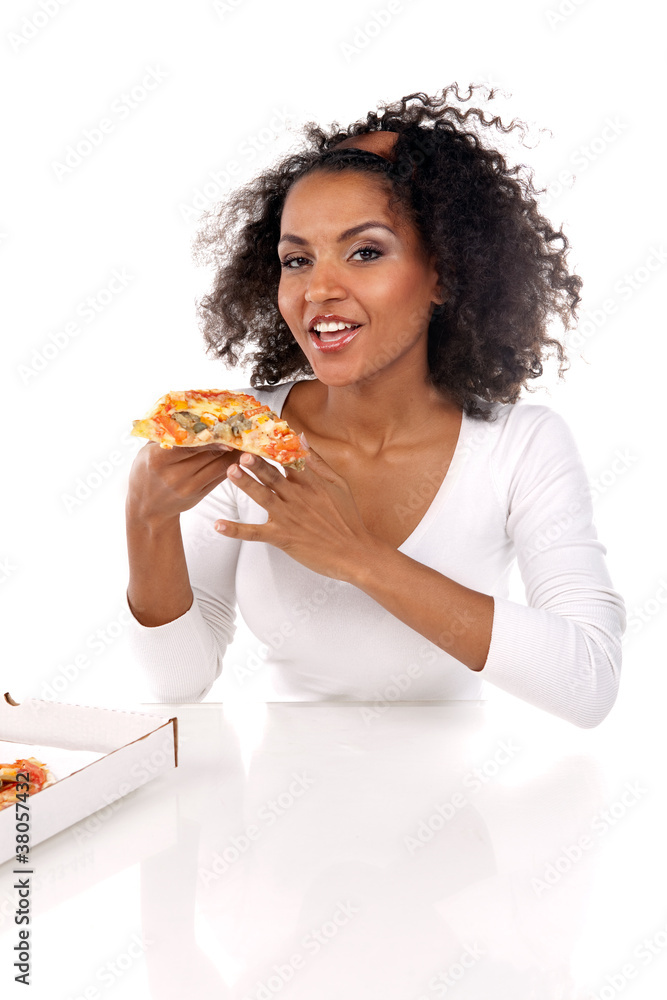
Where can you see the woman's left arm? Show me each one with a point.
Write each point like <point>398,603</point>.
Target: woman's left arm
<point>312,516</point>
<point>561,653</point>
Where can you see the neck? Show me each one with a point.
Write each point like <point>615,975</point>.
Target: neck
<point>391,408</point>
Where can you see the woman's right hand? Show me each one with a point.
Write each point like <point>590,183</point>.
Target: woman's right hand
<point>164,482</point>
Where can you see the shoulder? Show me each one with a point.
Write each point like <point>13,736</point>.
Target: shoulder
<point>537,460</point>
<point>517,426</point>
<point>521,445</point>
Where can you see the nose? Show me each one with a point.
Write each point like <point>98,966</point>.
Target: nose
<point>324,282</point>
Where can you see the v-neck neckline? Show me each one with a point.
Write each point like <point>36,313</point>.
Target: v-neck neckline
<point>446,486</point>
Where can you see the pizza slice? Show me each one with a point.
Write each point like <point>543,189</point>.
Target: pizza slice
<point>197,417</point>
<point>39,777</point>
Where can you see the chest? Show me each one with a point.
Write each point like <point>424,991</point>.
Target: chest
<point>394,496</point>
<point>394,489</point>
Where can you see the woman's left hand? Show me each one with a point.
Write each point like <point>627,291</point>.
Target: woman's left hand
<point>312,515</point>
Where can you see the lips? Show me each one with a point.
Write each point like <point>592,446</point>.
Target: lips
<point>335,341</point>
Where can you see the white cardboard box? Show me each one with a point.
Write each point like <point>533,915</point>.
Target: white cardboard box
<point>133,749</point>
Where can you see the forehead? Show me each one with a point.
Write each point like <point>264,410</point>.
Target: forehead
<point>327,200</point>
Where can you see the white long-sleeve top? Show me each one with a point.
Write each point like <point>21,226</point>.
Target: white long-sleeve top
<point>516,488</point>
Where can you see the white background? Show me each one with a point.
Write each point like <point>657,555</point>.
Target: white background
<point>224,77</point>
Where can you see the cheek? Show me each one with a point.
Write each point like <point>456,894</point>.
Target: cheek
<point>288,310</point>
<point>411,298</point>
<point>284,306</point>
<point>281,296</point>
<point>398,286</point>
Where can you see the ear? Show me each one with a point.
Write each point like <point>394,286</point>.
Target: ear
<point>444,285</point>
<point>439,295</point>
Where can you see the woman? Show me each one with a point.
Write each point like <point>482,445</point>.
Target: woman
<point>404,269</point>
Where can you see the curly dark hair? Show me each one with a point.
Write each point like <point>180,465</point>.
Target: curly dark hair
<point>502,266</point>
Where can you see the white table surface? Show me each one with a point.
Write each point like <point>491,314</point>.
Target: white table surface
<point>298,851</point>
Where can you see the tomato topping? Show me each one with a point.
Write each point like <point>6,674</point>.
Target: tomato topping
<point>255,411</point>
<point>36,774</point>
<point>177,432</point>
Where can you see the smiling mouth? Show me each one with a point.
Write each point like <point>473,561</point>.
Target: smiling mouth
<point>334,341</point>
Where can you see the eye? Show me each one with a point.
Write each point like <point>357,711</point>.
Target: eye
<point>368,250</point>
<point>287,262</point>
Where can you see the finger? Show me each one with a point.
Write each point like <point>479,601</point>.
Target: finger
<point>213,471</point>
<point>244,532</point>
<point>265,472</point>
<point>180,453</point>
<point>257,491</point>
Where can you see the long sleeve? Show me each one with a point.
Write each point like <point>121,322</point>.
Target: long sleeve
<point>183,658</point>
<point>562,653</point>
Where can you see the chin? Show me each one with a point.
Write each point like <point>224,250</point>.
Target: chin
<point>334,378</point>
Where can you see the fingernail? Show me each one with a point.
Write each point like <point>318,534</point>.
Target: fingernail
<point>304,442</point>
<point>234,472</point>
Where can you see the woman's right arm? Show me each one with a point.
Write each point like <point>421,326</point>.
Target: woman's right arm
<point>163,484</point>
<point>169,624</point>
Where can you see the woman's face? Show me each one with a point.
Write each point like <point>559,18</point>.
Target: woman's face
<point>344,254</point>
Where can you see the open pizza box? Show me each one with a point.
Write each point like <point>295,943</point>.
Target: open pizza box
<point>96,756</point>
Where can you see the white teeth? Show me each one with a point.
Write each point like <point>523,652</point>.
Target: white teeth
<point>333,327</point>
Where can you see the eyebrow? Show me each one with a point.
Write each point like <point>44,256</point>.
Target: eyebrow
<point>371,224</point>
